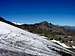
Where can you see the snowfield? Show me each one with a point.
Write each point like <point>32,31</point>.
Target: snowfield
<point>62,44</point>
<point>13,39</point>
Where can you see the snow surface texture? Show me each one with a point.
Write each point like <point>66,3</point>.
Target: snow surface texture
<point>18,40</point>
<point>62,44</point>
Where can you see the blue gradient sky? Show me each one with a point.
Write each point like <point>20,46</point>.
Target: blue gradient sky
<point>61,12</point>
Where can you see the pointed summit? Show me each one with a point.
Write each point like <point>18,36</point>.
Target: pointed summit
<point>44,23</point>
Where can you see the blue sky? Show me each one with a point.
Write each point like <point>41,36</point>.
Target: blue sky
<point>61,12</point>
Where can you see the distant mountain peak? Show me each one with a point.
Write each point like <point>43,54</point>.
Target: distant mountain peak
<point>44,22</point>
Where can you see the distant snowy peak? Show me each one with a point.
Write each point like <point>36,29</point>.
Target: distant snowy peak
<point>18,23</point>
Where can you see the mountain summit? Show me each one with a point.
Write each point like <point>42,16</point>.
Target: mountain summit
<point>17,42</point>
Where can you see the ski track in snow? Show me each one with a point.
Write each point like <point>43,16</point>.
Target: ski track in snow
<point>15,39</point>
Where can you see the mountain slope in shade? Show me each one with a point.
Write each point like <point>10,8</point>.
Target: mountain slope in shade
<point>17,42</point>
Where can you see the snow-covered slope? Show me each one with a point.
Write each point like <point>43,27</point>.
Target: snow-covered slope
<point>17,40</point>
